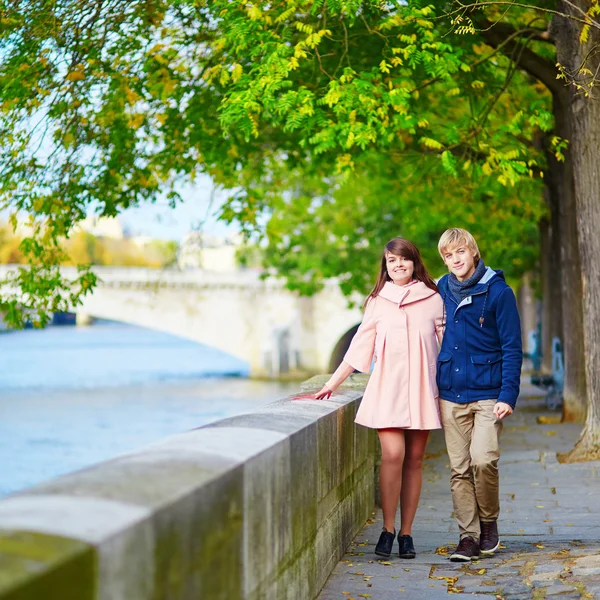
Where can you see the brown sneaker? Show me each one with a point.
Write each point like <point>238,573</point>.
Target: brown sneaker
<point>466,551</point>
<point>489,541</point>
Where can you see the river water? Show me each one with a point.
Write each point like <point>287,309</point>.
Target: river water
<point>72,396</point>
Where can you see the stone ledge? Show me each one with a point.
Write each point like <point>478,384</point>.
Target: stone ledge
<point>257,506</point>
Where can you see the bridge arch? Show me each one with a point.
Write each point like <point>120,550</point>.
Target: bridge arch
<point>341,348</point>
<point>256,320</point>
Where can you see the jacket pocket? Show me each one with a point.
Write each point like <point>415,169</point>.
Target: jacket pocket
<point>485,371</point>
<point>444,371</point>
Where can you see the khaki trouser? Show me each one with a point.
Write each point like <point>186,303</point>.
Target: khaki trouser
<point>472,435</point>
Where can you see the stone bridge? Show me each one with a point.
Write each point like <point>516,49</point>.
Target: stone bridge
<point>258,320</point>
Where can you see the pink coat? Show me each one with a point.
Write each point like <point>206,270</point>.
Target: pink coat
<point>402,326</point>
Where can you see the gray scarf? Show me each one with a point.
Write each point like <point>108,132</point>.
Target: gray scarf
<point>462,289</point>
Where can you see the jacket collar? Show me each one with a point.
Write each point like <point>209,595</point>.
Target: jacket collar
<point>487,279</point>
<point>403,295</point>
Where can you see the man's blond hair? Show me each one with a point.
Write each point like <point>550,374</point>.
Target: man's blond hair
<point>456,237</point>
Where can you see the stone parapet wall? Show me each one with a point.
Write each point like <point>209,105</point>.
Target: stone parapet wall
<point>259,506</point>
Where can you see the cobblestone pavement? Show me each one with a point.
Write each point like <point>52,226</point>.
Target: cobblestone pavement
<point>549,526</point>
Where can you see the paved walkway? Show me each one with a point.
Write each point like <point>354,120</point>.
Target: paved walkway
<point>549,527</point>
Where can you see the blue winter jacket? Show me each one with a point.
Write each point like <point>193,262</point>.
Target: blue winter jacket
<point>481,353</point>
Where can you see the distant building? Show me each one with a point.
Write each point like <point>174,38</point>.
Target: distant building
<point>103,227</point>
<point>203,251</point>
<point>141,241</point>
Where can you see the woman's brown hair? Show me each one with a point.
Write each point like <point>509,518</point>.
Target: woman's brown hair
<point>401,247</point>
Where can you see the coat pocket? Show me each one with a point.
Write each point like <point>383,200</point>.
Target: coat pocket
<point>485,371</point>
<point>444,371</point>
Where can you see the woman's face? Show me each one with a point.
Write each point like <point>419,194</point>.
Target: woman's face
<point>399,269</point>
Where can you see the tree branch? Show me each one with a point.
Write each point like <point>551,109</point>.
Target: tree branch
<point>532,33</point>
<point>531,62</point>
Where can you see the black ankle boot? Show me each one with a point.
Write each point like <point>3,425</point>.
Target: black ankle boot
<point>407,548</point>
<point>385,543</point>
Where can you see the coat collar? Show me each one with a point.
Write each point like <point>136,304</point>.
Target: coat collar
<point>409,294</point>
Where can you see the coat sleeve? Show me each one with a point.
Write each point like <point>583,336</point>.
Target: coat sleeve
<point>362,347</point>
<point>440,322</point>
<point>509,330</point>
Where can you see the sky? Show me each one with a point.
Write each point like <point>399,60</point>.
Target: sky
<point>159,221</point>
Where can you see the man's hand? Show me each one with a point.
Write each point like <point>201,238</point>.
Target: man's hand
<point>502,410</point>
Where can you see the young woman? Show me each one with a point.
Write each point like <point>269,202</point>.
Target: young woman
<point>401,327</point>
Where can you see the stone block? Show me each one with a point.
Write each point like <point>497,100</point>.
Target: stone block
<point>267,534</point>
<point>36,565</point>
<point>271,420</point>
<point>304,485</point>
<point>198,546</point>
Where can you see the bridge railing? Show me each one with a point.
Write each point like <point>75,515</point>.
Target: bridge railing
<point>257,506</point>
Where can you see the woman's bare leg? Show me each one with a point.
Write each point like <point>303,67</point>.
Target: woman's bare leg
<point>390,477</point>
<point>412,477</point>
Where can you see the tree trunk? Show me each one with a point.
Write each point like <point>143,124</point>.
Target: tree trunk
<point>527,310</point>
<point>551,289</point>
<point>584,123</point>
<point>559,181</point>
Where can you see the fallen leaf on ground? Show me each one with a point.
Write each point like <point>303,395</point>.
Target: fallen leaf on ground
<point>549,419</point>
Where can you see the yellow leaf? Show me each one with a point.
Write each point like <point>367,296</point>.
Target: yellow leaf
<point>75,76</point>
<point>254,12</point>
<point>236,73</point>
<point>550,433</point>
<point>481,571</point>
<point>549,420</point>
<point>540,546</point>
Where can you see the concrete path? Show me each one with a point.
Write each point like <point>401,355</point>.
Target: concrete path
<point>549,527</point>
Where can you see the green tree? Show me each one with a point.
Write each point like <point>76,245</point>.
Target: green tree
<point>107,105</point>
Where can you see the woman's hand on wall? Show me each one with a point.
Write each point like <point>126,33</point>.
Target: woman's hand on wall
<point>323,393</point>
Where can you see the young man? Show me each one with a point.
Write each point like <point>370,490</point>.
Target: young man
<point>478,376</point>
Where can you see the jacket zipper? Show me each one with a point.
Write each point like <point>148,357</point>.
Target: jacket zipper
<point>475,294</point>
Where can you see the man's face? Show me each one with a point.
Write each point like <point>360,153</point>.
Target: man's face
<point>460,260</point>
